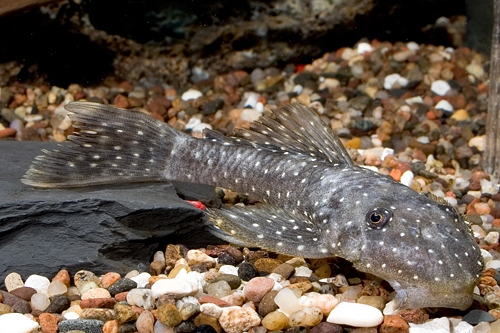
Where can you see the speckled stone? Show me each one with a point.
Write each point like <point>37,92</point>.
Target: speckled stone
<point>122,285</point>
<point>99,314</point>
<point>204,320</point>
<point>256,288</point>
<point>205,329</point>
<point>185,327</point>
<point>169,315</point>
<point>233,280</point>
<point>125,313</point>
<point>266,264</point>
<point>85,325</point>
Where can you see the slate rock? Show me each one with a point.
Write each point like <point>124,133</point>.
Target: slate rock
<point>86,325</point>
<point>112,227</point>
<point>16,303</point>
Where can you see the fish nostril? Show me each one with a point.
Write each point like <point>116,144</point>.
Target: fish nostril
<point>415,231</point>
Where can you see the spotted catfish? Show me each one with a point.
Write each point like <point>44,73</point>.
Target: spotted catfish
<point>313,200</point>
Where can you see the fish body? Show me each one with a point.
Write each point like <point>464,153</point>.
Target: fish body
<point>314,201</point>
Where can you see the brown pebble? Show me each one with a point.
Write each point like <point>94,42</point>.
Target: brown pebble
<point>213,300</point>
<point>266,264</point>
<point>164,299</point>
<point>325,327</point>
<point>16,303</point>
<point>102,303</point>
<point>203,319</point>
<point>110,327</point>
<point>121,296</point>
<point>63,276</point>
<point>415,316</point>
<point>267,304</point>
<point>7,132</point>
<point>158,266</point>
<point>99,314</point>
<point>24,293</point>
<point>121,101</point>
<point>125,86</point>
<point>172,254</point>
<point>48,322</point>
<point>169,315</point>
<point>305,286</point>
<point>478,175</point>
<point>285,270</point>
<point>235,253</point>
<point>125,313</point>
<point>394,324</point>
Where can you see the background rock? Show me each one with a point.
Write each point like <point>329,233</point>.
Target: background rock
<point>101,228</point>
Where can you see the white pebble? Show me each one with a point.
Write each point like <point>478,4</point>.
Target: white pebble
<point>479,142</point>
<point>211,310</point>
<point>444,105</point>
<point>413,46</point>
<point>423,139</point>
<point>463,327</point>
<point>191,94</point>
<point>56,288</point>
<point>355,314</point>
<point>251,101</point>
<point>228,269</point>
<point>189,126</point>
<point>406,178</point>
<point>71,315</point>
<point>440,87</point>
<point>259,107</point>
<point>13,281</point>
<point>16,323</point>
<point>386,152</point>
<point>414,100</point>
<point>37,282</point>
<point>488,187</point>
<point>491,237</point>
<point>159,256</point>
<point>175,287</point>
<point>392,79</point>
<point>142,279</point>
<point>162,328</point>
<point>451,201</point>
<point>142,298</point>
<point>495,264</point>
<point>439,325</point>
<point>461,183</point>
<point>486,256</point>
<point>198,128</point>
<point>364,47</point>
<point>298,89</point>
<point>39,301</point>
<point>287,301</point>
<point>250,115</point>
<point>303,271</point>
<point>308,316</point>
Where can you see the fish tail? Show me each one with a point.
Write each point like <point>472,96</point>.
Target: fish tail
<point>112,146</point>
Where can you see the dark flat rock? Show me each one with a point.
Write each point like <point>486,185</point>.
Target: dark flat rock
<point>101,228</point>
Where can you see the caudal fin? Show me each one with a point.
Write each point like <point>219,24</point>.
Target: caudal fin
<point>113,145</point>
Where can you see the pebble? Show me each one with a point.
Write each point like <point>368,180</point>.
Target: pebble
<point>124,313</point>
<point>237,320</point>
<point>285,270</point>
<point>191,94</point>
<point>307,316</point>
<point>39,301</point>
<point>16,323</point>
<point>48,322</point>
<point>95,293</point>
<point>187,310</point>
<point>13,281</point>
<point>100,314</point>
<point>108,279</point>
<point>24,293</point>
<point>185,327</point>
<point>142,298</point>
<point>145,322</point>
<point>355,314</point>
<point>267,303</point>
<point>438,325</point>
<point>393,79</point>
<point>287,302</point>
<point>37,282</point>
<point>219,289</point>
<point>196,257</point>
<point>123,284</point>
<point>177,287</point>
<point>211,309</point>
<point>275,321</point>
<point>247,271</point>
<point>324,302</point>
<point>4,308</point>
<point>440,87</point>
<point>86,325</point>
<point>56,287</point>
<point>110,326</point>
<point>475,316</point>
<point>232,280</point>
<point>16,303</point>
<point>394,324</point>
<point>444,105</point>
<point>257,287</point>
<point>83,276</point>
<point>479,142</point>
<point>58,304</point>
<point>142,279</point>
<point>325,327</point>
<point>169,315</point>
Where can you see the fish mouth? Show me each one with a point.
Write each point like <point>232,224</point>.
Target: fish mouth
<point>419,297</point>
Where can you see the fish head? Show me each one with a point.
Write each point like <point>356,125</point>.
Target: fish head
<point>424,249</point>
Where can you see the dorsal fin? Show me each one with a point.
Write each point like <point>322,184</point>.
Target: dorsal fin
<point>297,129</point>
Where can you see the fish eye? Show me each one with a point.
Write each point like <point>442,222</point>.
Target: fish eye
<point>377,218</point>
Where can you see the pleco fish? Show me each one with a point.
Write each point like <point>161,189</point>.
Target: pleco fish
<point>314,202</point>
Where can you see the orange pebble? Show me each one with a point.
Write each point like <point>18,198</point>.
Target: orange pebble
<point>431,115</point>
<point>396,174</point>
<point>120,297</point>
<point>63,276</point>
<point>450,194</point>
<point>7,132</point>
<point>108,279</point>
<point>110,326</point>
<point>496,223</point>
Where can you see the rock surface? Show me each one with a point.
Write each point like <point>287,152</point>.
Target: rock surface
<point>102,228</point>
